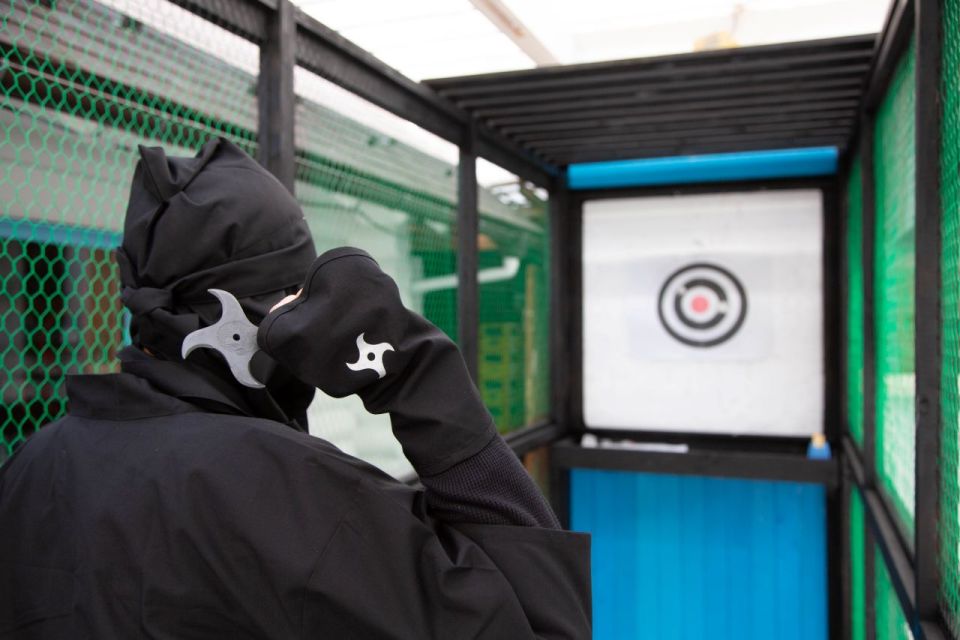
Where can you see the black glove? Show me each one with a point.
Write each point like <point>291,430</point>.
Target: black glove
<point>348,332</point>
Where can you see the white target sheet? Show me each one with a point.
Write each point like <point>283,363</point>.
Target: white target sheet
<point>704,313</point>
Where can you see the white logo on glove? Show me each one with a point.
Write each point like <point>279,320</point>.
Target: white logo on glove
<point>371,356</point>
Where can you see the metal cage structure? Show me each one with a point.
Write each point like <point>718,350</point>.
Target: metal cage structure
<point>889,104</point>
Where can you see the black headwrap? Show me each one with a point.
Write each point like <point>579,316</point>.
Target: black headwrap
<point>217,220</point>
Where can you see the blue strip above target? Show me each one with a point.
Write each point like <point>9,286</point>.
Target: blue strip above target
<point>720,167</point>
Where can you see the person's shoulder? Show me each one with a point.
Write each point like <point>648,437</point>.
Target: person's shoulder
<point>244,436</point>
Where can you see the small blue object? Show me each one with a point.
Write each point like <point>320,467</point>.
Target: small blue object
<point>818,451</point>
<point>719,167</point>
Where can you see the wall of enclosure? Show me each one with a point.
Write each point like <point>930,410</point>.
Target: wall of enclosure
<point>902,334</point>
<point>83,82</point>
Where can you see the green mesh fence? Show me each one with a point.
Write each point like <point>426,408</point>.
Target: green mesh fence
<point>891,624</point>
<point>858,599</point>
<point>82,84</point>
<point>513,357</point>
<point>895,216</point>
<point>949,525</point>
<point>854,392</point>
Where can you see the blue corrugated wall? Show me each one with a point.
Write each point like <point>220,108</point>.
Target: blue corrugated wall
<point>690,557</point>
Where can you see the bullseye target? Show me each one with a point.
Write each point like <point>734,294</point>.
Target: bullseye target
<point>702,305</point>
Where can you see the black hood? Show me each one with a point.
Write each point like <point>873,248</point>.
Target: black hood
<point>217,220</point>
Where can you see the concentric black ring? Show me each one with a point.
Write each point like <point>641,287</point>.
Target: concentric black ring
<point>675,287</point>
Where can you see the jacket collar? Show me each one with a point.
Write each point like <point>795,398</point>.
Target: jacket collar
<point>149,387</point>
<point>120,396</point>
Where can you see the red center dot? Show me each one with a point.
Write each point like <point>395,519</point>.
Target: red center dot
<point>700,304</point>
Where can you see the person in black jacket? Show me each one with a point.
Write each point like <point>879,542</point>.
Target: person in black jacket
<point>173,502</point>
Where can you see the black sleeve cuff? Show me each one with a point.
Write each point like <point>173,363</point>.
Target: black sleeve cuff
<point>491,487</point>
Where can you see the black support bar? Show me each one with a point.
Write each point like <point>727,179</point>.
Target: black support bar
<point>275,134</point>
<point>893,39</point>
<point>468,225</point>
<point>560,304</point>
<point>928,286</point>
<point>717,463</point>
<point>246,18</point>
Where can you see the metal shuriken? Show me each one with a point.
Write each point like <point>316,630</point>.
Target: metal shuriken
<point>232,335</point>
<point>371,356</point>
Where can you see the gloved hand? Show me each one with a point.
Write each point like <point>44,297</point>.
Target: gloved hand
<point>348,332</point>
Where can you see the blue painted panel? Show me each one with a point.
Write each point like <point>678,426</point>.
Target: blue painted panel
<point>719,167</point>
<point>703,558</point>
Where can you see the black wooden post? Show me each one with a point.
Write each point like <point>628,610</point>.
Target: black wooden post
<point>468,226</point>
<point>275,95</point>
<point>928,351</point>
<point>559,305</point>
<point>868,196</point>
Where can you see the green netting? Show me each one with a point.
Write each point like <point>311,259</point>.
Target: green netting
<point>854,392</point>
<point>514,330</point>
<point>360,186</point>
<point>949,525</point>
<point>891,624</point>
<point>895,215</point>
<point>858,601</point>
<point>82,84</point>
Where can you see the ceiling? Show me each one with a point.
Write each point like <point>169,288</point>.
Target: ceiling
<point>767,97</point>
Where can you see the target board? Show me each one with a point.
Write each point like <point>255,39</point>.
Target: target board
<point>703,313</point>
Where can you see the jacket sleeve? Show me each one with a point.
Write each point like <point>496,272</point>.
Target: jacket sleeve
<point>389,572</point>
<point>479,556</point>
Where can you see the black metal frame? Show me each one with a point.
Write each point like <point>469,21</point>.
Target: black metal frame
<point>288,37</point>
<point>765,458</point>
<point>911,564</point>
<point>767,97</point>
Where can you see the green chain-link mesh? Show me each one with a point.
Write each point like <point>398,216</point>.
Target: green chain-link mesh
<point>858,599</point>
<point>81,86</point>
<point>895,216</point>
<point>83,83</point>
<point>513,359</point>
<point>949,526</point>
<point>891,623</point>
<point>854,196</point>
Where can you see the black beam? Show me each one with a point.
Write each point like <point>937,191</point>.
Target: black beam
<point>675,64</point>
<point>276,101</point>
<point>560,303</point>
<point>884,533</point>
<point>868,195</point>
<point>721,463</point>
<point>468,225</point>
<point>669,116</point>
<point>534,437</point>
<point>867,475</point>
<point>515,158</point>
<point>246,18</point>
<point>891,43</point>
<point>575,291</point>
<point>328,54</point>
<point>833,356</point>
<point>851,68</point>
<point>928,350</point>
<point>331,56</point>
<point>829,126</point>
<point>800,92</point>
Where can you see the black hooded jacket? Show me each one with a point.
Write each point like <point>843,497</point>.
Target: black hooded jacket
<point>171,503</point>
